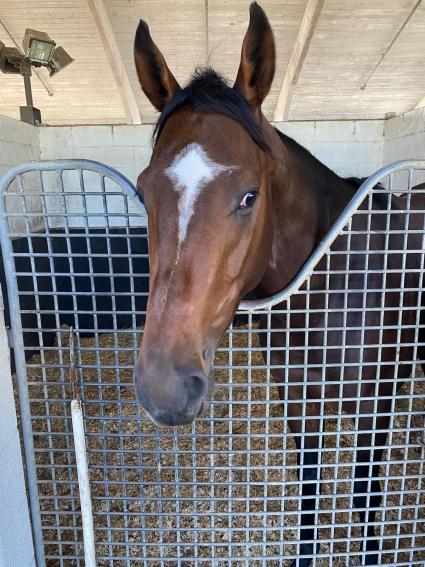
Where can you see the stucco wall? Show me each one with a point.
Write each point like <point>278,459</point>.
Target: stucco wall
<point>404,136</point>
<point>126,148</point>
<point>18,142</point>
<point>348,147</point>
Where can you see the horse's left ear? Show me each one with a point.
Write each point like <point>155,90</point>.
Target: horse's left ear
<point>258,59</point>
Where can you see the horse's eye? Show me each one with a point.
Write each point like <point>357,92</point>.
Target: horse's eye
<point>248,200</point>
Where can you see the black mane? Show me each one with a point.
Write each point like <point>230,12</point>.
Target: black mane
<point>207,91</point>
<point>321,168</point>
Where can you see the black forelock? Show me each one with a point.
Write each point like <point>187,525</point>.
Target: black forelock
<point>208,91</point>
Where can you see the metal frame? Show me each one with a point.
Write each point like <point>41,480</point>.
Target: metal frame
<point>133,464</point>
<point>16,325</point>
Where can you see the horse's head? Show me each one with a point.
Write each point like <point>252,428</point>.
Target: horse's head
<point>207,195</point>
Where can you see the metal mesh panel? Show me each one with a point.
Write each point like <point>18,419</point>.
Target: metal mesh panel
<point>333,369</point>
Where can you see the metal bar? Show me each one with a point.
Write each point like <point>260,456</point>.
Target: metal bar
<point>333,233</point>
<point>19,357</point>
<point>68,165</point>
<point>83,483</point>
<point>225,490</point>
<point>28,91</point>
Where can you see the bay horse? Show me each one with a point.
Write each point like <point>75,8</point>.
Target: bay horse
<point>236,207</point>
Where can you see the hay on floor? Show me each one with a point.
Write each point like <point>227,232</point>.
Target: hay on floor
<point>223,488</point>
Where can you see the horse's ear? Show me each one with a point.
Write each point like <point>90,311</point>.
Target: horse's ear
<point>158,83</point>
<point>258,58</point>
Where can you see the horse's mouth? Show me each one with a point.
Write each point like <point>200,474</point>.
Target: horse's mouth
<point>161,423</point>
<point>201,408</point>
<point>208,396</point>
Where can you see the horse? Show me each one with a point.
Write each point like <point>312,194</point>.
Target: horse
<point>235,207</point>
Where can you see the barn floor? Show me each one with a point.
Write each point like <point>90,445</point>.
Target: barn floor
<point>224,488</point>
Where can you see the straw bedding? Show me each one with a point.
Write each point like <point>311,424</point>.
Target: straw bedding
<point>225,491</point>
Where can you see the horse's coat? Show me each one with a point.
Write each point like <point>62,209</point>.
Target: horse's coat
<point>190,172</point>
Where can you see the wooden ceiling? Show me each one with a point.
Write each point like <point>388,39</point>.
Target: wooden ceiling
<point>347,40</point>
<point>83,92</point>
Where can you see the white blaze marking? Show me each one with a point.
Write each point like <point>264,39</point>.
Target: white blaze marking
<point>190,171</point>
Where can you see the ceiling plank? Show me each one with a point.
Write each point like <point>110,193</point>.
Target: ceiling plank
<point>301,46</point>
<point>103,24</point>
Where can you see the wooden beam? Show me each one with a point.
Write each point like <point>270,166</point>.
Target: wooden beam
<point>104,27</point>
<point>301,46</point>
<point>421,103</point>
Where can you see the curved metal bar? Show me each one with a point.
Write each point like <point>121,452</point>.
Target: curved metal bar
<point>69,164</point>
<point>307,269</point>
<point>16,323</point>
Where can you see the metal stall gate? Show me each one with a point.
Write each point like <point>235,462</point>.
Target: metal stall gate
<point>223,491</point>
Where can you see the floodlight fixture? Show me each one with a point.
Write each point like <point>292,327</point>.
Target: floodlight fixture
<point>10,59</point>
<point>39,50</point>
<point>59,60</point>
<point>38,47</point>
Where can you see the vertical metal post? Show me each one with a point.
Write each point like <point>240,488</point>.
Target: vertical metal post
<point>28,113</point>
<point>21,374</point>
<point>28,91</point>
<point>81,459</point>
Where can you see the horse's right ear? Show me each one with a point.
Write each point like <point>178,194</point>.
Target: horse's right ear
<point>258,59</point>
<point>156,79</point>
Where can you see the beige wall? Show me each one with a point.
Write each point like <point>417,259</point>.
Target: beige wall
<point>18,142</point>
<point>348,147</point>
<point>404,138</point>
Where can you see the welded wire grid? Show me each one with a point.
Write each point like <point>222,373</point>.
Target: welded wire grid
<point>225,490</point>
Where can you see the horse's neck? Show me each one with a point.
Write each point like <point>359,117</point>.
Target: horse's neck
<point>306,200</point>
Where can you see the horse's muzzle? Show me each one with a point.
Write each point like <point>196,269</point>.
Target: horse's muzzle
<point>173,399</point>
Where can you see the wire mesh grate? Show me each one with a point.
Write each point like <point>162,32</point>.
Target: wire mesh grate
<point>334,371</point>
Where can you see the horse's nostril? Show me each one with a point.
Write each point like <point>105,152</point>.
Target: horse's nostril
<point>196,386</point>
<point>171,398</point>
